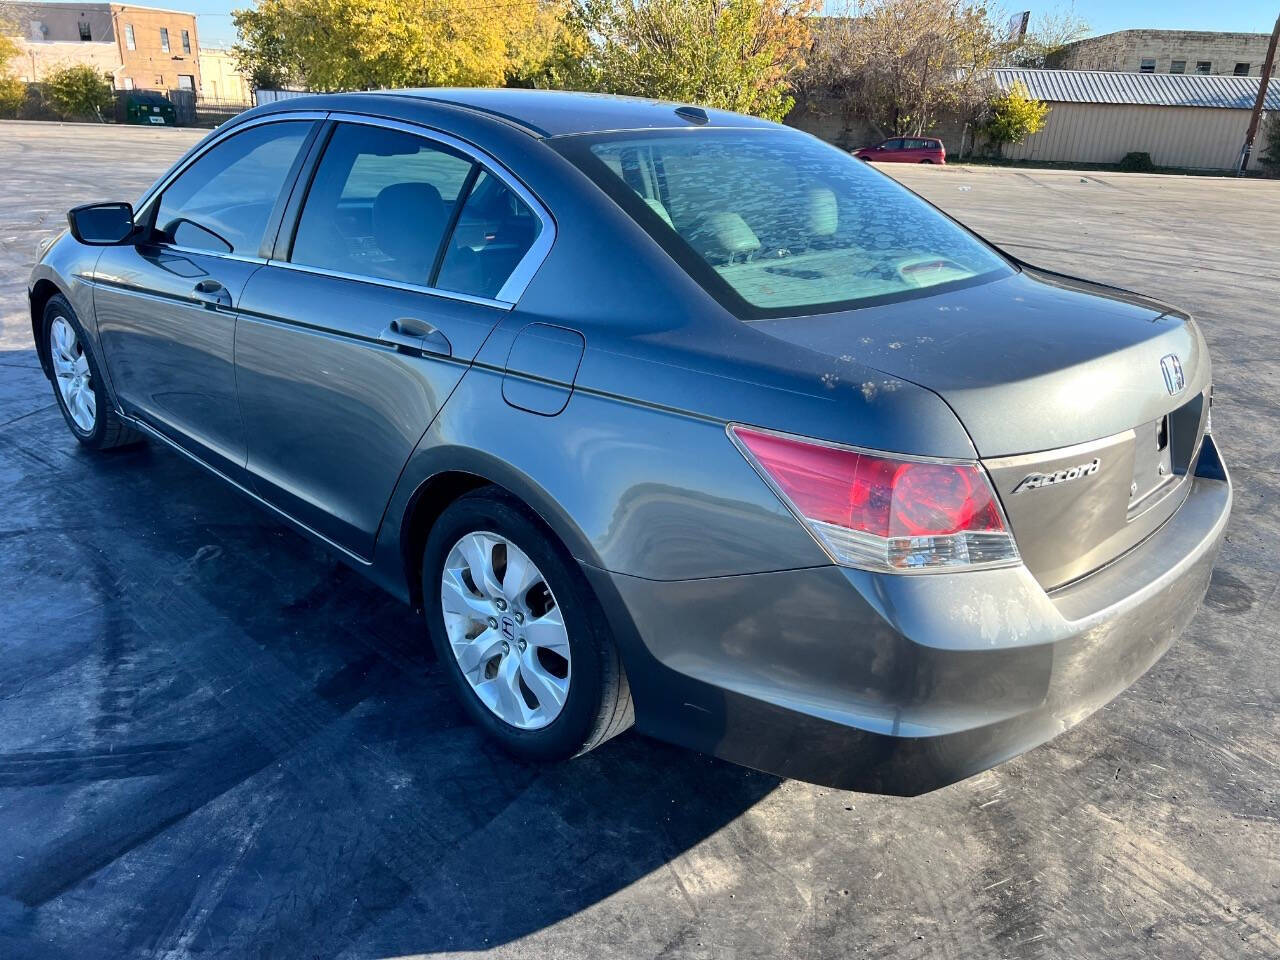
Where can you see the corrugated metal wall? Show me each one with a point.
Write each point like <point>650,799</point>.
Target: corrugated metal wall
<point>1205,138</point>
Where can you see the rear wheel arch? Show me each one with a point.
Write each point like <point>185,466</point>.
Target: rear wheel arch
<point>432,496</point>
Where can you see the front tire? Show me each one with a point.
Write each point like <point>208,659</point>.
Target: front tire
<point>77,381</point>
<point>519,632</point>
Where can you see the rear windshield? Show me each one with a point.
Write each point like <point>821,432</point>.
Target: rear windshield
<point>774,222</point>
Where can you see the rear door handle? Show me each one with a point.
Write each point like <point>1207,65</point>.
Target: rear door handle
<point>416,337</point>
<point>212,293</point>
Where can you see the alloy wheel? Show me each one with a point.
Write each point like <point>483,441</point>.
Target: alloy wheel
<point>506,630</point>
<point>72,374</point>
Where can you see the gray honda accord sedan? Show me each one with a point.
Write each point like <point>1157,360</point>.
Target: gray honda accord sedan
<point>664,417</point>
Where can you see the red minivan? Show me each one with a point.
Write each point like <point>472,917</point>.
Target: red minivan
<point>905,150</point>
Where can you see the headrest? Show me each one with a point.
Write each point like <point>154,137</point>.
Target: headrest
<point>408,219</point>
<point>823,214</point>
<point>731,233</point>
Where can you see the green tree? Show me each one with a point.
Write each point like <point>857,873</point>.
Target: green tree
<point>78,92</point>
<point>13,92</point>
<point>733,54</point>
<point>1269,156</point>
<point>369,44</point>
<point>1015,115</point>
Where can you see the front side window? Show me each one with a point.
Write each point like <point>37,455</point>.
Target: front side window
<point>186,41</point>
<point>774,222</point>
<point>164,39</point>
<point>222,202</point>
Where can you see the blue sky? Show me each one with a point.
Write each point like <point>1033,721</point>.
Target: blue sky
<point>1103,15</point>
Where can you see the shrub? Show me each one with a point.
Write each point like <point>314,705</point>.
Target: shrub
<point>79,92</point>
<point>1137,162</point>
<point>1015,115</point>
<point>13,94</point>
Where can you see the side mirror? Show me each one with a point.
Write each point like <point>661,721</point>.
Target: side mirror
<point>101,224</point>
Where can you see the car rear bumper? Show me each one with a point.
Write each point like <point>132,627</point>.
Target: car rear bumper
<point>903,684</point>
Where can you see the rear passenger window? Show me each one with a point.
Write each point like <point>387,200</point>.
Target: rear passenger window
<point>494,232</point>
<point>221,203</point>
<point>380,204</point>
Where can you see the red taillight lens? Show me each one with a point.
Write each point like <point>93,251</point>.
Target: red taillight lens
<point>884,511</point>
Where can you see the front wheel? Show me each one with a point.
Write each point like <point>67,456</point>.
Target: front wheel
<point>926,161</point>
<point>519,631</point>
<point>77,381</point>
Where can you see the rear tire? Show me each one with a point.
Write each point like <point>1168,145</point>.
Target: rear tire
<point>77,381</point>
<point>543,694</point>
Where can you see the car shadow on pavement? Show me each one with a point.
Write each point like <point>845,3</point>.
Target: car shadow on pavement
<point>216,739</point>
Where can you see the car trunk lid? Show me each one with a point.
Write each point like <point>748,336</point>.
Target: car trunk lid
<point>1086,404</point>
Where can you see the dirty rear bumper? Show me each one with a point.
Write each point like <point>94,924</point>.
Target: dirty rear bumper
<point>903,684</point>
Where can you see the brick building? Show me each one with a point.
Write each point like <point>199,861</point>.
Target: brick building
<point>1166,51</point>
<point>139,47</point>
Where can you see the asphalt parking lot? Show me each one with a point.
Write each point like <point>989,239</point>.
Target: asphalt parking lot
<point>216,741</point>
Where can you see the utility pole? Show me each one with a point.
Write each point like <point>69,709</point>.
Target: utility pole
<point>1262,97</point>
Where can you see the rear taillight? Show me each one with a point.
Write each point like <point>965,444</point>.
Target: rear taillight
<point>883,512</point>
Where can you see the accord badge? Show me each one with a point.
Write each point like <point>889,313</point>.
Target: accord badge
<point>1034,481</point>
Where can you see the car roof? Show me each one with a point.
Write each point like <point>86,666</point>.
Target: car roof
<point>556,113</point>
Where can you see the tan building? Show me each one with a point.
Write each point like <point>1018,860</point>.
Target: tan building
<point>139,47</point>
<point>1206,52</point>
<point>1189,121</point>
<point>220,79</point>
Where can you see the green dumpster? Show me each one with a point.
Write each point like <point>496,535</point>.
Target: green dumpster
<point>153,109</point>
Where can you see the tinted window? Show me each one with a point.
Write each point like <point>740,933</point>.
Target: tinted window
<point>380,204</point>
<point>774,221</point>
<point>495,230</point>
<point>893,144</point>
<point>222,201</point>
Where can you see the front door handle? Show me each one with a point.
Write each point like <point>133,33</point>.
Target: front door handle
<point>416,337</point>
<point>212,293</point>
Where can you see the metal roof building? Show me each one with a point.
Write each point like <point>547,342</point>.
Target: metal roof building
<point>1183,120</point>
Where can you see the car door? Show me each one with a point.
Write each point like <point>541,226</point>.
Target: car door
<point>165,306</point>
<point>892,150</point>
<point>392,267</point>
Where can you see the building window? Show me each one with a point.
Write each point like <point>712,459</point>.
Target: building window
<point>1204,66</point>
<point>186,82</point>
<point>1242,70</point>
<point>1178,66</point>
<point>86,32</point>
<point>126,83</point>
<point>128,37</point>
<point>186,42</point>
<point>164,39</point>
<point>1148,65</point>
<point>38,31</point>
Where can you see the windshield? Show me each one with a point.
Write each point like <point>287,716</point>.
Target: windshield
<point>780,223</point>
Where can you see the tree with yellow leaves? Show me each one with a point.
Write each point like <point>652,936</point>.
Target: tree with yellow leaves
<point>371,44</point>
<point>733,54</point>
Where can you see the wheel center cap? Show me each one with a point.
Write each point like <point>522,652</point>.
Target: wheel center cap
<point>508,627</point>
